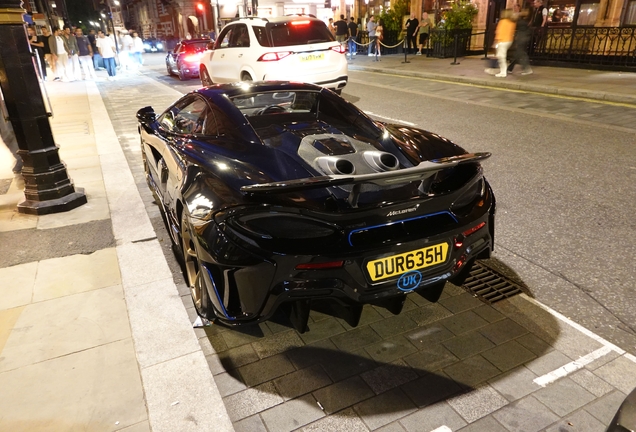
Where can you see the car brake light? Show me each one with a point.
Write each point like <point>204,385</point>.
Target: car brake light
<point>303,22</point>
<point>474,229</point>
<point>192,58</point>
<point>339,49</point>
<point>320,266</point>
<point>458,241</point>
<point>274,56</point>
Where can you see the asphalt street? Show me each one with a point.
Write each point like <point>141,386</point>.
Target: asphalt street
<point>562,169</point>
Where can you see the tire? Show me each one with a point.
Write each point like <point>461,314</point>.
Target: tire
<point>182,76</point>
<point>338,91</point>
<point>206,81</point>
<point>246,77</point>
<point>193,270</point>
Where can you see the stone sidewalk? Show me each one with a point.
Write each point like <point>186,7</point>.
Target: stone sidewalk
<point>618,87</point>
<point>93,335</point>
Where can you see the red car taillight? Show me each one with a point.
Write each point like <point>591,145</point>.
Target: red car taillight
<point>192,58</point>
<point>274,56</point>
<point>339,49</point>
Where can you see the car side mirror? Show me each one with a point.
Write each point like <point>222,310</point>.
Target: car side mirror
<point>146,115</point>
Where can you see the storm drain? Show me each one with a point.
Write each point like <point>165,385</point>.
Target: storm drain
<point>488,285</point>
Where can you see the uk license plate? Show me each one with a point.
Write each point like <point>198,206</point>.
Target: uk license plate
<point>312,57</point>
<point>395,265</point>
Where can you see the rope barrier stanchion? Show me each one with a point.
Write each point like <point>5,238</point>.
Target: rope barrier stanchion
<point>405,51</point>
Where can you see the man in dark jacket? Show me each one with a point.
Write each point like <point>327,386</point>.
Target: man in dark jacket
<point>411,33</point>
<point>520,48</point>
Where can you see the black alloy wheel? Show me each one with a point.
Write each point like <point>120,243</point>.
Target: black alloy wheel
<point>193,270</point>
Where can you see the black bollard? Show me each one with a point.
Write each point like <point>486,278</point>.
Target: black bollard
<point>47,187</point>
<point>455,50</point>
<point>405,50</point>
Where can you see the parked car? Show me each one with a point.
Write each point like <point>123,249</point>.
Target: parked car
<point>294,48</point>
<point>283,196</point>
<point>185,58</point>
<point>152,45</point>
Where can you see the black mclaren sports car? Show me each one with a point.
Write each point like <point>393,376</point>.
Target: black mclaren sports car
<point>282,197</point>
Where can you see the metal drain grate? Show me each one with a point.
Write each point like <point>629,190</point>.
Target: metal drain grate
<point>489,285</point>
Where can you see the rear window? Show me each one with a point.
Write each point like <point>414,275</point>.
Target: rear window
<point>299,33</point>
<point>277,102</point>
<point>196,47</point>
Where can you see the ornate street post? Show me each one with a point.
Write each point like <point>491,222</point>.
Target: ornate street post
<point>47,186</point>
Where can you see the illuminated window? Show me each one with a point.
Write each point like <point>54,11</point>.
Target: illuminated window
<point>588,14</point>
<point>630,14</point>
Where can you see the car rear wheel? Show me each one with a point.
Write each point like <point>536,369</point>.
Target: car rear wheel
<point>193,270</point>
<point>246,77</point>
<point>205,77</point>
<point>182,75</point>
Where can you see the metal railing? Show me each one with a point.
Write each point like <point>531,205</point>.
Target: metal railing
<point>589,46</point>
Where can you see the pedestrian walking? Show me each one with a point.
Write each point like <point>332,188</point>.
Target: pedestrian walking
<point>97,58</point>
<point>85,55</point>
<point>371,27</point>
<point>332,28</point>
<point>37,48</point>
<point>107,49</point>
<point>48,56</point>
<point>520,44</point>
<point>424,31</point>
<point>138,48</point>
<point>72,65</point>
<point>125,59</point>
<point>379,35</point>
<point>411,27</point>
<point>8,138</point>
<point>504,35</point>
<point>352,28</point>
<point>59,48</point>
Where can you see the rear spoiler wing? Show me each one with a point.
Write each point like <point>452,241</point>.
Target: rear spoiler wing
<point>420,172</point>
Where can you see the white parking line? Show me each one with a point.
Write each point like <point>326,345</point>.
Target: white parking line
<point>571,367</point>
<point>579,327</point>
<point>443,428</point>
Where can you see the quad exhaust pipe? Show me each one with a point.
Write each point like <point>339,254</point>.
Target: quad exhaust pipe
<point>358,163</point>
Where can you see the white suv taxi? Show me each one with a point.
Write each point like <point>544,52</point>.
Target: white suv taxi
<point>290,48</point>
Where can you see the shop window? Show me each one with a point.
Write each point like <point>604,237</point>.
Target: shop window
<point>588,14</point>
<point>630,14</point>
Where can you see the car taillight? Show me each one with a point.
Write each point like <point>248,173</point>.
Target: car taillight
<point>339,49</point>
<point>274,56</point>
<point>192,58</point>
<point>303,22</point>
